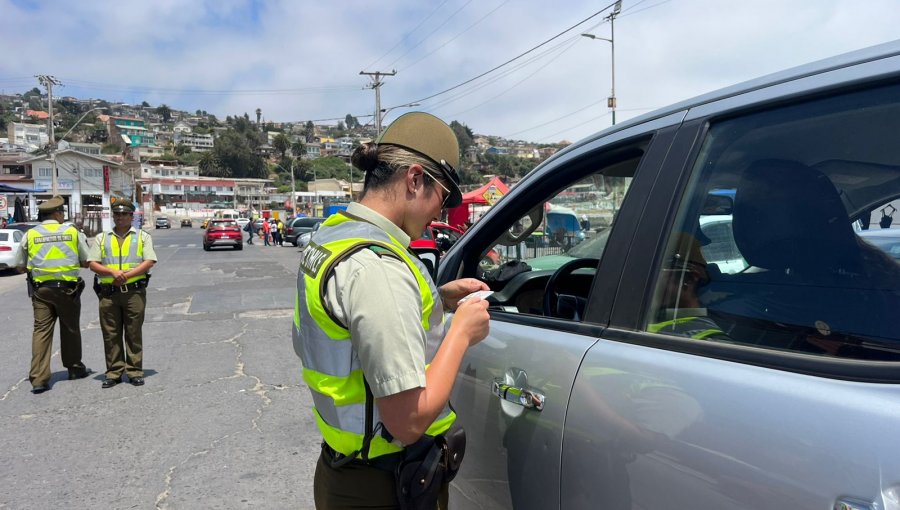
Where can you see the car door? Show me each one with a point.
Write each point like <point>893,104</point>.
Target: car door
<point>766,377</point>
<point>513,388</point>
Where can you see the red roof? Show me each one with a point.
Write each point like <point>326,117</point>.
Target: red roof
<point>37,114</point>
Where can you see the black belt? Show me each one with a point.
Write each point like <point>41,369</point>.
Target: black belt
<point>56,284</point>
<point>388,462</point>
<point>128,287</point>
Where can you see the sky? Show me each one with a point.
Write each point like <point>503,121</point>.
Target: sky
<point>299,60</point>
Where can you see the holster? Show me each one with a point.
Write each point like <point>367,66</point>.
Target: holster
<point>79,288</point>
<point>427,466</point>
<point>30,284</point>
<point>98,290</point>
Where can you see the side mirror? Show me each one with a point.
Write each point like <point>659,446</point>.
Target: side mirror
<point>523,228</point>
<point>443,243</point>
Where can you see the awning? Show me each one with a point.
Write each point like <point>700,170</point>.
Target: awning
<point>5,188</point>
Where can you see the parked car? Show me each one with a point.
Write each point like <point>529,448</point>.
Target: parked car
<point>242,222</point>
<point>299,226</point>
<point>186,222</point>
<point>642,373</point>
<point>222,233</point>
<point>23,226</point>
<point>163,222</point>
<point>887,240</point>
<point>9,244</point>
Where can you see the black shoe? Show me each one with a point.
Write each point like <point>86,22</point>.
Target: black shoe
<point>79,373</point>
<point>109,383</point>
<point>136,381</point>
<point>40,388</point>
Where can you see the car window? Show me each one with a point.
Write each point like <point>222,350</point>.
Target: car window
<point>781,241</point>
<point>17,236</point>
<point>4,236</point>
<point>557,246</point>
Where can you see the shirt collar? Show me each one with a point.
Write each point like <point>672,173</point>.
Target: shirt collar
<point>130,230</point>
<point>361,211</point>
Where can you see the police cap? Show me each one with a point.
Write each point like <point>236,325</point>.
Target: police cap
<point>52,205</point>
<point>122,205</point>
<point>432,138</point>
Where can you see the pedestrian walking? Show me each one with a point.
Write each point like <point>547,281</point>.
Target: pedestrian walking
<point>53,254</point>
<point>121,258</point>
<point>354,343</point>
<point>251,231</point>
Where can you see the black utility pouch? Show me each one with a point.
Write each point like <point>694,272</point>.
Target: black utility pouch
<point>427,466</point>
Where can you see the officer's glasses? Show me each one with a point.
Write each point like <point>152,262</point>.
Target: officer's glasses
<point>446,195</point>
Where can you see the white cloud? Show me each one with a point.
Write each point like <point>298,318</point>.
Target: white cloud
<point>186,53</point>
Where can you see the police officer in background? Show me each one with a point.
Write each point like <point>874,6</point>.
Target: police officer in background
<point>122,258</point>
<point>369,319</point>
<point>53,253</point>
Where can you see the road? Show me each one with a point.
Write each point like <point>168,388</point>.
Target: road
<point>223,421</point>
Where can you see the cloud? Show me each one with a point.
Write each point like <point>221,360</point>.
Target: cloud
<point>301,60</point>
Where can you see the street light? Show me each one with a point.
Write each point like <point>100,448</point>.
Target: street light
<point>611,102</point>
<point>54,186</point>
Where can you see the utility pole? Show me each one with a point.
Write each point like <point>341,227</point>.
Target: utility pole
<point>48,82</point>
<point>611,101</point>
<point>376,84</point>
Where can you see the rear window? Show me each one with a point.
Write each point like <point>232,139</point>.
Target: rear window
<point>4,236</point>
<point>306,222</point>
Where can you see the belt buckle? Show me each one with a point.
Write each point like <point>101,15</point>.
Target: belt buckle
<point>123,289</point>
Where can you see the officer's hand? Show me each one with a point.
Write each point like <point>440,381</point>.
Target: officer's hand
<point>472,320</point>
<point>452,292</point>
<point>119,278</point>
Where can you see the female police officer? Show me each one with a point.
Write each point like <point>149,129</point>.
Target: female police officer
<point>369,318</point>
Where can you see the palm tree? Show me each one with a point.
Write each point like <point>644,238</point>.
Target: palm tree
<point>281,143</point>
<point>298,149</point>
<point>208,164</point>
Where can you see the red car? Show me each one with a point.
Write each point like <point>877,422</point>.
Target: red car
<point>223,233</point>
<point>439,236</point>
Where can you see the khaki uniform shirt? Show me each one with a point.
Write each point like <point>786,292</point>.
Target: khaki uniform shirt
<point>22,253</point>
<point>146,239</point>
<point>381,298</point>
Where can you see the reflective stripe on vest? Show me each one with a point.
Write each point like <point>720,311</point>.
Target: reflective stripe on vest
<point>693,327</point>
<point>53,252</point>
<point>124,256</point>
<point>331,366</point>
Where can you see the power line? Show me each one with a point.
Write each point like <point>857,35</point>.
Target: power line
<point>514,58</point>
<point>579,110</point>
<point>473,25</point>
<point>431,33</point>
<point>407,34</point>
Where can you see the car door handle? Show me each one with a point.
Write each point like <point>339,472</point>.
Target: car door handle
<point>528,399</point>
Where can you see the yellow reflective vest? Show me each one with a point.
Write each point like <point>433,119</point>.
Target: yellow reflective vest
<point>331,366</point>
<point>122,254</point>
<point>53,252</point>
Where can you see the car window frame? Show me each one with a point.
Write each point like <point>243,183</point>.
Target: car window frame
<point>643,260</point>
<point>586,159</point>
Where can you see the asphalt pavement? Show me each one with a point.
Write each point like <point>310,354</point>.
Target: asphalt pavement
<point>223,420</point>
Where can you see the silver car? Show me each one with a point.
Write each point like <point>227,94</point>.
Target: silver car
<point>755,365</point>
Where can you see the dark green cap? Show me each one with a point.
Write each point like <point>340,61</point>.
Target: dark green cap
<point>52,205</point>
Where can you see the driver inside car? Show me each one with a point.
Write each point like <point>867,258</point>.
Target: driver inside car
<point>680,311</point>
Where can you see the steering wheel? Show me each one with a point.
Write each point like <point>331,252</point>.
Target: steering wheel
<point>551,296</point>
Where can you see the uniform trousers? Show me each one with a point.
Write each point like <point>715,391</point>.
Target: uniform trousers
<point>50,303</point>
<point>122,320</point>
<point>356,485</point>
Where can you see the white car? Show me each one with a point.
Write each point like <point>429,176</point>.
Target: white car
<point>9,244</point>
<point>242,222</point>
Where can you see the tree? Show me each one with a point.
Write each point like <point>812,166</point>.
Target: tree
<point>298,149</point>
<point>309,131</point>
<point>181,149</point>
<point>464,135</point>
<point>145,104</point>
<point>236,156</point>
<point>282,144</point>
<point>351,122</point>
<point>208,164</point>
<point>165,112</point>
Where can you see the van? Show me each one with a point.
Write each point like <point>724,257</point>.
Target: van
<point>732,342</point>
